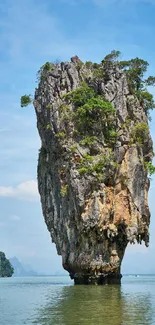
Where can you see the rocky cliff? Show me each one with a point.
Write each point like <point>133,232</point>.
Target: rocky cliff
<point>6,269</point>
<point>92,169</point>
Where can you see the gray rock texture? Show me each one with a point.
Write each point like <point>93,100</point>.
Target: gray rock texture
<point>91,217</point>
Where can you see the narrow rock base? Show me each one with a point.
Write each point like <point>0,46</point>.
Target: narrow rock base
<point>101,279</point>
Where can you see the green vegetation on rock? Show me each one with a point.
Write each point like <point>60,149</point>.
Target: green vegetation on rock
<point>63,190</point>
<point>25,100</point>
<point>140,133</point>
<point>6,269</point>
<point>95,164</point>
<point>111,57</point>
<point>149,167</point>
<point>88,141</point>
<point>42,73</point>
<point>146,100</point>
<point>96,161</point>
<point>135,70</point>
<point>93,115</point>
<point>89,119</point>
<point>81,95</point>
<point>150,81</point>
<point>61,134</point>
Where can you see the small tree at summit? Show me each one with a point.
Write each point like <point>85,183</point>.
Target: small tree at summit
<point>111,57</point>
<point>150,81</point>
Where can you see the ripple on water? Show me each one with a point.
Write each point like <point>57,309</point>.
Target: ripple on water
<point>55,301</point>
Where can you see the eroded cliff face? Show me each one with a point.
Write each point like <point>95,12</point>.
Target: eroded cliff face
<point>92,177</point>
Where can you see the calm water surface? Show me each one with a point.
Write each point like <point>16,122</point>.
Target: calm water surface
<point>55,301</point>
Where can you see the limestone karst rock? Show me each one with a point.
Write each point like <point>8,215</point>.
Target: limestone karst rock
<point>92,177</point>
<point>6,269</point>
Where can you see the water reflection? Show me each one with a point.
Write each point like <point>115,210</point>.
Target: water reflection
<point>106,305</point>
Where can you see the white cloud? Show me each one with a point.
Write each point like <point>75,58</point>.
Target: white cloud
<point>14,218</point>
<point>26,191</point>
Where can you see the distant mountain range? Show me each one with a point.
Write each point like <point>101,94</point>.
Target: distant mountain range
<point>21,270</point>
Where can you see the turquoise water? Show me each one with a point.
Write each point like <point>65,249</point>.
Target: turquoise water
<point>55,301</point>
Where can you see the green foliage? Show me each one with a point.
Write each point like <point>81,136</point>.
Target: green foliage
<point>85,165</point>
<point>140,133</point>
<point>111,135</point>
<point>135,70</point>
<point>47,66</point>
<point>81,95</point>
<point>147,101</point>
<point>91,111</point>
<point>98,73</point>
<point>61,134</point>
<point>25,100</point>
<point>49,106</point>
<point>79,65</point>
<point>88,64</point>
<point>98,166</point>
<point>73,148</point>
<point>97,115</point>
<point>90,164</point>
<point>150,81</point>
<point>48,127</point>
<point>111,57</point>
<point>66,116</point>
<point>63,190</point>
<point>64,108</point>
<point>6,269</point>
<point>96,65</point>
<point>88,141</point>
<point>149,167</point>
<point>41,75</point>
<point>127,123</point>
<point>84,170</point>
<point>93,115</point>
<point>86,158</point>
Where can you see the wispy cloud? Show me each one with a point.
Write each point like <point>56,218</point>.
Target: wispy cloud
<point>14,218</point>
<point>26,191</point>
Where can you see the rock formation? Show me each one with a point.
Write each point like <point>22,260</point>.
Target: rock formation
<point>6,269</point>
<point>92,169</point>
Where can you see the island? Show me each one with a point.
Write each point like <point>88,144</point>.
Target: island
<point>95,161</point>
<point>6,269</point>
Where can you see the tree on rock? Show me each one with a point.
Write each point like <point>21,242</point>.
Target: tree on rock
<point>6,269</point>
<point>25,100</point>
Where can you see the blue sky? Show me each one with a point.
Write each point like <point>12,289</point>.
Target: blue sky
<point>31,33</point>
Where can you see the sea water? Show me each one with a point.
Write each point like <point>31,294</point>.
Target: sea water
<point>56,301</point>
